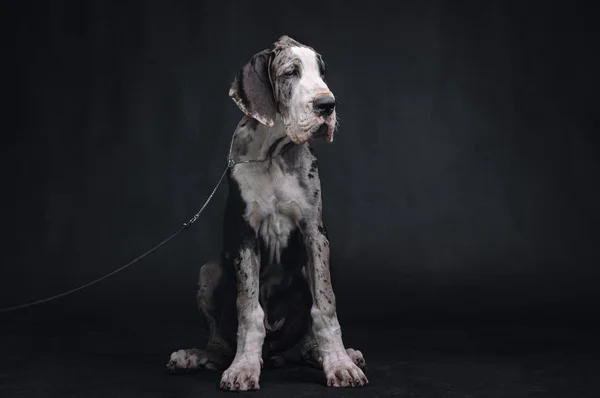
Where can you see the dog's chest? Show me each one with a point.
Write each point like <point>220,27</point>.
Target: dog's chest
<point>275,203</point>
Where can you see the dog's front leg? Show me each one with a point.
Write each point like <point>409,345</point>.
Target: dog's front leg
<point>244,372</point>
<point>339,368</point>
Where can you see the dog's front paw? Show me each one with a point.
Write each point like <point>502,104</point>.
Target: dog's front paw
<point>341,371</point>
<point>242,375</point>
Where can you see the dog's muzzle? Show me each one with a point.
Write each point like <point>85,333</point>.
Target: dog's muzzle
<point>325,132</point>
<point>324,107</point>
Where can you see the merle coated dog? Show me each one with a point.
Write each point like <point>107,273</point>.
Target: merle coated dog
<point>271,287</point>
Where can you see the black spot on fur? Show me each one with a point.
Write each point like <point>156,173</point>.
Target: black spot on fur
<point>250,122</point>
<point>291,153</point>
<point>274,146</point>
<point>302,224</point>
<point>326,296</point>
<point>315,162</point>
<point>311,175</point>
<point>240,147</point>
<point>286,147</point>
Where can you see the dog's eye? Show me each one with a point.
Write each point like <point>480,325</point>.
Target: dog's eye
<point>291,72</point>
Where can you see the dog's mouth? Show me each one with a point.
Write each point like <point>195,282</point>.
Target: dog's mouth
<point>324,132</point>
<point>322,129</point>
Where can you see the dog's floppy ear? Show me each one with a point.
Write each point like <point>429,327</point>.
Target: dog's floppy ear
<point>251,89</point>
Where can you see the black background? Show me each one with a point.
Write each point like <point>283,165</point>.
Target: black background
<point>463,184</point>
<point>464,176</point>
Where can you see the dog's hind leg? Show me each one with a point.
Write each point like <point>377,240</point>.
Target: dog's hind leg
<point>218,353</point>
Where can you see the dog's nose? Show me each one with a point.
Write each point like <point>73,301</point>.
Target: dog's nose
<point>324,105</point>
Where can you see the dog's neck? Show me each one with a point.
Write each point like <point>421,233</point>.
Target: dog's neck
<point>253,140</point>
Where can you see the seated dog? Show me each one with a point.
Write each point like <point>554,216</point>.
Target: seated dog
<point>271,287</point>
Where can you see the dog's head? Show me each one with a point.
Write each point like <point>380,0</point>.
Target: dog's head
<point>287,80</point>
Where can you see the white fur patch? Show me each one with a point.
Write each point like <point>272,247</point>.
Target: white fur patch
<point>275,200</point>
<point>310,86</point>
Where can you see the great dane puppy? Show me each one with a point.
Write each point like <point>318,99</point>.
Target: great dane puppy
<point>271,287</point>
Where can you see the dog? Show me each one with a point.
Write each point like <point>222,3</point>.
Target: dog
<point>271,290</point>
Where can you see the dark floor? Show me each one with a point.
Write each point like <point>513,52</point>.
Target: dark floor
<point>52,352</point>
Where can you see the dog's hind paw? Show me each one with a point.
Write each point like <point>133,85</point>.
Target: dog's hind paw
<point>190,360</point>
<point>357,358</point>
